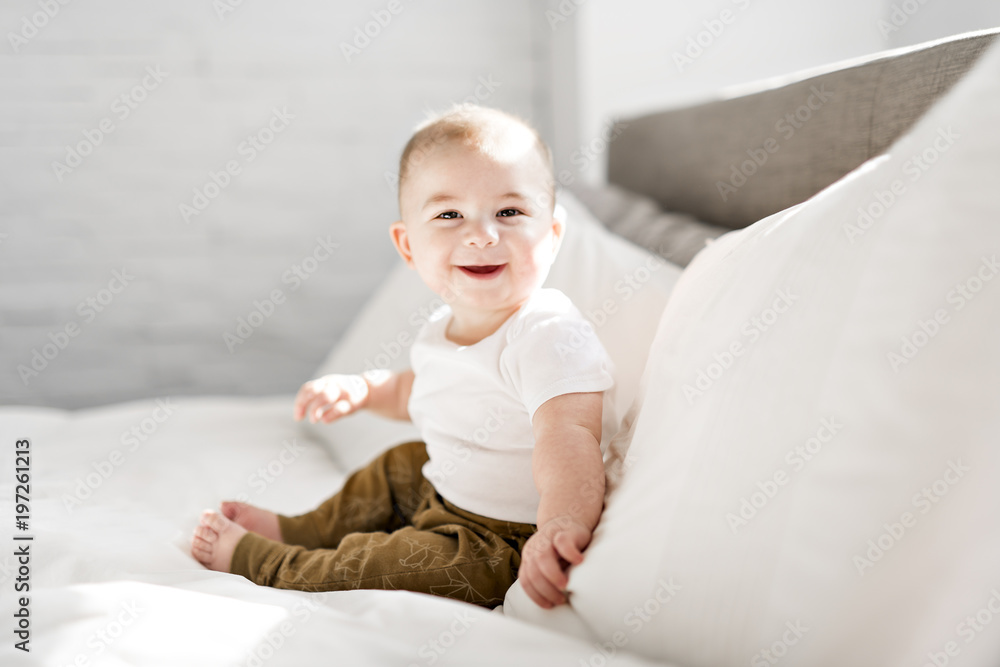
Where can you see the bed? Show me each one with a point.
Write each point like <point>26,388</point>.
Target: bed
<point>806,467</point>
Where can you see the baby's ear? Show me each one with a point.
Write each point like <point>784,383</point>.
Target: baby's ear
<point>400,239</point>
<point>559,212</point>
<point>558,226</point>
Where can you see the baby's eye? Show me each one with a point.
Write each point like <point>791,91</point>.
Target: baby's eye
<point>508,212</point>
<point>449,215</point>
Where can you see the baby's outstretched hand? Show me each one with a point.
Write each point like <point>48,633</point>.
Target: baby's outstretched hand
<point>331,397</point>
<point>547,555</point>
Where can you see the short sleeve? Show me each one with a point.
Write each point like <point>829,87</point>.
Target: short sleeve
<point>554,353</point>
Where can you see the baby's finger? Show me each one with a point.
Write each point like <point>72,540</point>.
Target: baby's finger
<point>548,566</point>
<point>306,394</point>
<point>321,410</point>
<point>535,596</point>
<point>336,411</point>
<point>567,548</point>
<point>355,388</point>
<point>319,404</point>
<point>546,590</point>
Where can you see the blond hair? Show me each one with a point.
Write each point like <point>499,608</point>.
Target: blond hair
<point>490,131</point>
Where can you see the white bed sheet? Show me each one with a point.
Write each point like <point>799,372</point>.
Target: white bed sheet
<point>112,582</point>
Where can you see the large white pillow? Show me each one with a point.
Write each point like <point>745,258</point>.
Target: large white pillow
<point>815,466</point>
<point>620,287</point>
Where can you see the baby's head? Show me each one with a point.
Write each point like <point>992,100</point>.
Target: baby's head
<point>476,199</point>
<point>490,132</point>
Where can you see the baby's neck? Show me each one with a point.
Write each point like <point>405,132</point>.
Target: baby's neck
<point>469,326</point>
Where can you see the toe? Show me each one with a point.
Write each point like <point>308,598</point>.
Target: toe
<point>201,550</point>
<point>231,509</point>
<point>215,521</point>
<point>206,533</point>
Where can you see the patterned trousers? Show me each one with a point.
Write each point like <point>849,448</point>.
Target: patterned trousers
<point>388,528</point>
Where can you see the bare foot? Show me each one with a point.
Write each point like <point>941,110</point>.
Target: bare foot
<point>215,540</point>
<point>256,520</point>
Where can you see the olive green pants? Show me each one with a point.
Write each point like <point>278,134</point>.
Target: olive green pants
<point>388,528</point>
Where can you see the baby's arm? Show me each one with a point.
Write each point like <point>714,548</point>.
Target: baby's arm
<point>334,396</point>
<point>569,472</point>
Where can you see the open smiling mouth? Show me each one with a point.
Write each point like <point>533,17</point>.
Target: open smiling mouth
<point>483,271</point>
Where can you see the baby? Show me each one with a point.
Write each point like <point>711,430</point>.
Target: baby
<point>506,388</point>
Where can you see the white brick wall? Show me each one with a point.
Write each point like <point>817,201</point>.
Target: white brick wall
<point>118,210</point>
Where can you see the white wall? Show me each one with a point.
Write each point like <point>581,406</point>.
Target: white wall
<point>569,65</point>
<point>907,22</point>
<point>324,175</point>
<point>639,56</point>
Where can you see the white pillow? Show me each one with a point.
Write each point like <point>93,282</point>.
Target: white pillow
<point>620,287</point>
<point>815,462</point>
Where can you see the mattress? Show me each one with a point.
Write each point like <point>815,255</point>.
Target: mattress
<point>107,579</point>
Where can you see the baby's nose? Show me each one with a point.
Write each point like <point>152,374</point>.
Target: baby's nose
<point>482,233</point>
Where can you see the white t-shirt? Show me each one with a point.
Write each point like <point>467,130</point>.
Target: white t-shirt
<point>473,404</point>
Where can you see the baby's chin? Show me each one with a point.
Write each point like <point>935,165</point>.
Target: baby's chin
<point>499,301</point>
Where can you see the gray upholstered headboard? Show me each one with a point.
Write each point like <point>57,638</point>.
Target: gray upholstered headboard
<point>732,162</point>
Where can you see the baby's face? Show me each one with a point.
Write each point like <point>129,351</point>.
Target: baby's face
<point>478,230</point>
